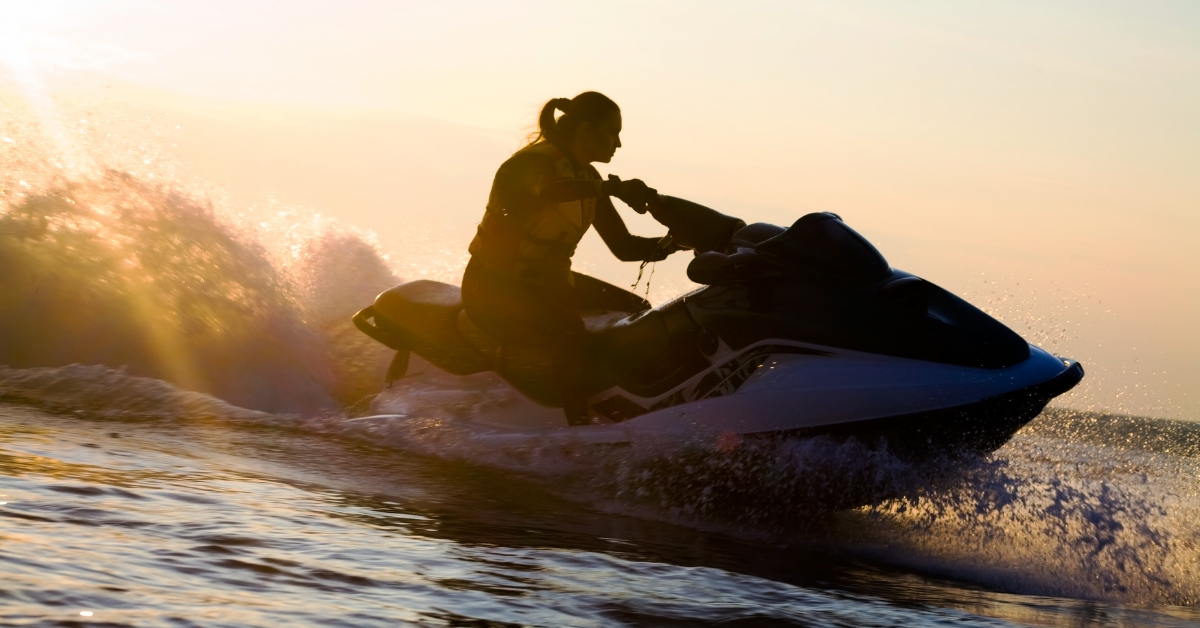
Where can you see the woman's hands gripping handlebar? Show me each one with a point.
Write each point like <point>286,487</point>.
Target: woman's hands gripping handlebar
<point>634,192</point>
<point>691,225</point>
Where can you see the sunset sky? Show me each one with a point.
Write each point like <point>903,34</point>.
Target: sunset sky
<point>1040,158</point>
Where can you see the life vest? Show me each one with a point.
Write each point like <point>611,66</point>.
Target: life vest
<point>536,249</point>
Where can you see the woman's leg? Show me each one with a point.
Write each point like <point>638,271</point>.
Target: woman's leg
<point>513,313</point>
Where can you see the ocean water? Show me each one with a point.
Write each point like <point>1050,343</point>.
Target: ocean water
<point>182,444</point>
<point>129,502</point>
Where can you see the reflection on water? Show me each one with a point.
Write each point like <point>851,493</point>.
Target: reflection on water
<point>213,522</point>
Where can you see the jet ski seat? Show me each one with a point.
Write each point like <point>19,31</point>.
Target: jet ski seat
<point>422,316</point>
<point>427,317</point>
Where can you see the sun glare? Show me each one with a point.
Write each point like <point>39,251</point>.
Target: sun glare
<point>20,30</point>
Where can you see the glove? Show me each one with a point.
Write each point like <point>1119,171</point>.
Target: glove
<point>634,192</point>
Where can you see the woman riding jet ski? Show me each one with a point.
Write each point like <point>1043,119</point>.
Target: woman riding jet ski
<point>518,286</point>
<point>798,331</point>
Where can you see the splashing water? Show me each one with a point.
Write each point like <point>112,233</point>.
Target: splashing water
<point>1058,513</point>
<point>114,269</point>
<point>116,272</point>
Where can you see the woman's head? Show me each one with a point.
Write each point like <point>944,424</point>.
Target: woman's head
<point>590,127</point>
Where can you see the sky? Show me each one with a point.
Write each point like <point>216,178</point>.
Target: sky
<point>1040,158</point>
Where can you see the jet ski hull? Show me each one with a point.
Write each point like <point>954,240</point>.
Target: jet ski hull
<point>976,428</point>
<point>918,409</point>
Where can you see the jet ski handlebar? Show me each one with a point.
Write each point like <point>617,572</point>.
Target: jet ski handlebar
<point>692,225</point>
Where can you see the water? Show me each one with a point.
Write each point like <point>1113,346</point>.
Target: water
<point>215,473</point>
<point>153,507</point>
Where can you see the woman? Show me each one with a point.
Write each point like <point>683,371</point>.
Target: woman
<point>519,286</point>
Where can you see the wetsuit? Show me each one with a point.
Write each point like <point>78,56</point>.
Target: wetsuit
<point>519,287</point>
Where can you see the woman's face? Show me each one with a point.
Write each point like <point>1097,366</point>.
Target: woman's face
<point>600,141</point>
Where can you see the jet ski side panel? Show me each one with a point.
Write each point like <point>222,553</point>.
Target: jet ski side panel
<point>902,316</point>
<point>978,427</point>
<point>790,392</point>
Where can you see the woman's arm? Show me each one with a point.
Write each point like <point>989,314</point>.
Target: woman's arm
<point>531,176</point>
<point>527,179</point>
<point>624,245</point>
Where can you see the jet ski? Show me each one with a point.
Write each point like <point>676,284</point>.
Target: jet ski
<point>796,332</point>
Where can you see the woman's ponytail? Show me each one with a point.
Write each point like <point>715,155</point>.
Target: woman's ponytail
<point>547,125</point>
<point>586,107</point>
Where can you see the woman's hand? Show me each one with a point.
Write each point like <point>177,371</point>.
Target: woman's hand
<point>634,192</point>
<point>666,246</point>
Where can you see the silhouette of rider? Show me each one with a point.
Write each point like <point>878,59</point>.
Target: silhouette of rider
<point>519,286</point>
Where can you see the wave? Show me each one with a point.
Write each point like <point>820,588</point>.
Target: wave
<point>100,393</point>
<point>120,272</point>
